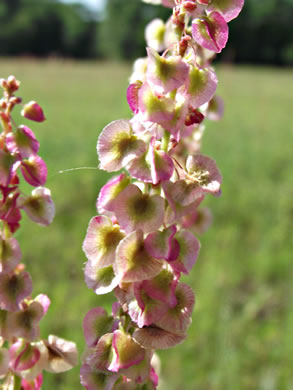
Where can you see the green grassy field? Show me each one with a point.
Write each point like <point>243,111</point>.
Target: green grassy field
<point>242,331</point>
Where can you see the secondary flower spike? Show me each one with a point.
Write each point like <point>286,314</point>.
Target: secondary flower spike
<point>145,236</point>
<point>24,355</point>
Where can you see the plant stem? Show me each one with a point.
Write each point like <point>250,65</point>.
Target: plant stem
<point>165,141</point>
<point>17,382</point>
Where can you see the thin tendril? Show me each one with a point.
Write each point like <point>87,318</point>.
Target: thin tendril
<point>77,169</point>
<point>70,170</point>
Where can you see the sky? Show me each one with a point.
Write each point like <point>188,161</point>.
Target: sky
<point>95,5</point>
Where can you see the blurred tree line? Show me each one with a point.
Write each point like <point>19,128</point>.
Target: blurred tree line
<point>262,34</point>
<point>47,27</point>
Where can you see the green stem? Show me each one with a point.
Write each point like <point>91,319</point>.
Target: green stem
<point>17,382</point>
<point>165,141</point>
<point>5,230</point>
<point>4,126</point>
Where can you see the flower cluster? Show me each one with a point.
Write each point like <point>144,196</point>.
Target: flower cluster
<point>23,354</point>
<point>143,239</point>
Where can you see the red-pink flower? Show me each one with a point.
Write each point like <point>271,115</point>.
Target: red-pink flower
<point>153,166</point>
<point>117,145</point>
<point>188,251</point>
<point>39,206</point>
<point>10,254</point>
<point>201,86</point>
<point>229,9</point>
<point>93,379</point>
<point>162,287</point>
<point>35,384</point>
<point>23,355</point>
<point>198,221</point>
<point>34,170</point>
<point>62,354</point>
<point>175,196</point>
<point>8,166</point>
<point>205,172</point>
<point>25,322</point>
<point>23,141</point>
<point>177,318</point>
<point>166,74</point>
<point>101,241</point>
<point>162,245</point>
<point>9,212</point>
<point>44,300</point>
<point>14,288</point>
<point>110,191</point>
<point>101,279</point>
<point>135,210</point>
<point>154,337</point>
<point>127,352</point>
<point>155,107</point>
<point>211,31</point>
<point>161,164</point>
<point>132,96</point>
<point>148,309</point>
<point>133,263</point>
<point>100,355</point>
<point>155,34</point>
<point>215,108</point>
<point>201,176</point>
<point>96,323</point>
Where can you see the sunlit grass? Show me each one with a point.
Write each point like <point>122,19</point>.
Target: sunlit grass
<point>241,336</point>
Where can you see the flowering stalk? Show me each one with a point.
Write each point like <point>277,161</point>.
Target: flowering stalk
<point>144,238</point>
<point>23,354</point>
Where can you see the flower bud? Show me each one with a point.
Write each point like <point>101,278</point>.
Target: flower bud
<point>33,112</point>
<point>3,104</point>
<point>23,356</point>
<point>194,116</point>
<point>12,84</point>
<point>4,116</point>
<point>178,23</point>
<point>189,5</point>
<point>16,100</point>
<point>183,45</point>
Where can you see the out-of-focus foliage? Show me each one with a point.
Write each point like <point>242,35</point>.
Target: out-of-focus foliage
<point>263,33</point>
<point>46,27</point>
<point>122,31</point>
